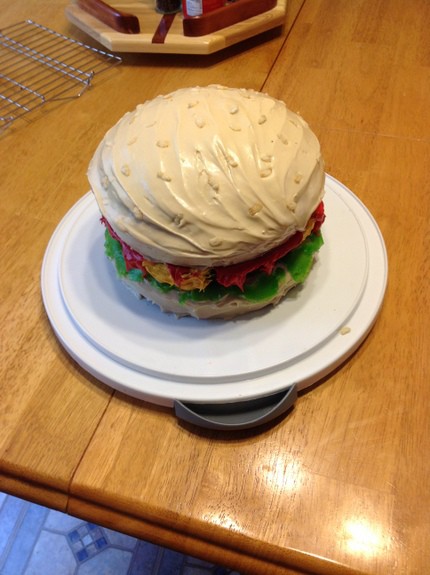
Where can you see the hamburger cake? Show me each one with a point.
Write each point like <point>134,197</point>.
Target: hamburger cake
<point>212,199</point>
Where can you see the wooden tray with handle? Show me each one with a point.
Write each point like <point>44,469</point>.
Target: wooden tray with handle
<point>138,27</point>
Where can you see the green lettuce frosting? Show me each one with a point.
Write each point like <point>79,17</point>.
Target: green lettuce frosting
<point>259,286</point>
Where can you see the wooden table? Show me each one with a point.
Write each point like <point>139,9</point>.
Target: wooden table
<point>342,484</point>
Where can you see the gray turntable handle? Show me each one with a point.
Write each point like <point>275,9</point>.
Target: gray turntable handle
<point>237,415</point>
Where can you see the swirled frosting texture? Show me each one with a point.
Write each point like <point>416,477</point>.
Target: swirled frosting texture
<point>208,176</point>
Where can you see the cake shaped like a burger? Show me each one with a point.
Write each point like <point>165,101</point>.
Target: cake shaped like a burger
<point>212,200</point>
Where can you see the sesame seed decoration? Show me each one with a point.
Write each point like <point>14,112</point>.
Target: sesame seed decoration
<point>179,220</point>
<point>262,119</point>
<point>199,122</point>
<point>164,177</point>
<point>267,158</point>
<point>125,170</point>
<point>265,173</point>
<point>231,161</point>
<point>253,210</point>
<point>162,144</point>
<point>298,178</point>
<point>214,242</point>
<point>213,183</point>
<point>137,213</point>
<point>291,205</point>
<point>245,94</point>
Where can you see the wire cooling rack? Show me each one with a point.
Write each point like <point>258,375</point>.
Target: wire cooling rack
<point>38,65</point>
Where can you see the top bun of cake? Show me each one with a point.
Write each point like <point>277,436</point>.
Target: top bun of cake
<point>208,176</point>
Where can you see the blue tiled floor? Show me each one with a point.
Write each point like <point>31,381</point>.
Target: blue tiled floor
<point>35,540</point>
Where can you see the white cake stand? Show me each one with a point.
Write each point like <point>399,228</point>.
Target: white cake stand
<point>222,374</point>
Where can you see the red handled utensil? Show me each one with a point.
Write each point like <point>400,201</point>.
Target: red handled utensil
<point>116,19</point>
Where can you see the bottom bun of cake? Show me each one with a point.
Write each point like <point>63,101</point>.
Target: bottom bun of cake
<point>227,307</point>
<point>215,293</point>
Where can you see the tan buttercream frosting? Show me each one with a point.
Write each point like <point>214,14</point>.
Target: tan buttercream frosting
<point>208,176</point>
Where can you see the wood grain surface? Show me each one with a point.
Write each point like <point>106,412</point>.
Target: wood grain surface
<point>341,484</point>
